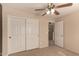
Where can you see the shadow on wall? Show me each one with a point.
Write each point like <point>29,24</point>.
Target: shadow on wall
<point>0,29</point>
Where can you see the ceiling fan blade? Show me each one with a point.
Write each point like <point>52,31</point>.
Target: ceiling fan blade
<point>44,14</point>
<point>56,12</point>
<point>64,5</point>
<point>39,9</point>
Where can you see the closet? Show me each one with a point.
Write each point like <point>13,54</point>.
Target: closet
<point>23,34</point>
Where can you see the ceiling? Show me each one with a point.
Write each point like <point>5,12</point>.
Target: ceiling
<point>29,7</point>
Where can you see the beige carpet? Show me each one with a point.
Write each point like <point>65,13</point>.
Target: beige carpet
<point>51,43</point>
<point>50,51</point>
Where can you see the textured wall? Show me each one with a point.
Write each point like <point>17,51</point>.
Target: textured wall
<point>71,32</point>
<point>43,32</point>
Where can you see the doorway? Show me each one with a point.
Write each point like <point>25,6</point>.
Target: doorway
<point>56,34</point>
<point>51,34</point>
<point>0,29</point>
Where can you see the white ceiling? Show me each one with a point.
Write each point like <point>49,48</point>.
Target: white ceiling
<point>29,7</point>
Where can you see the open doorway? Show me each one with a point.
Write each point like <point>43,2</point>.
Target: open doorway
<point>56,34</point>
<point>0,29</point>
<point>51,34</point>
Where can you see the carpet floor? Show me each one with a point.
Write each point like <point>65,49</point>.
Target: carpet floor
<point>49,51</point>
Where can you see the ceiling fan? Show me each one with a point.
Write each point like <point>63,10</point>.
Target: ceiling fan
<point>51,8</point>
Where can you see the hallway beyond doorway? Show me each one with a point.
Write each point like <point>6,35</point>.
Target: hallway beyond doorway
<point>51,33</point>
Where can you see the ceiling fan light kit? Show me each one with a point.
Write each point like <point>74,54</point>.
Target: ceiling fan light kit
<point>50,11</point>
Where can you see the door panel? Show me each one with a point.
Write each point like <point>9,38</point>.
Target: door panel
<point>32,34</point>
<point>59,33</point>
<point>16,34</point>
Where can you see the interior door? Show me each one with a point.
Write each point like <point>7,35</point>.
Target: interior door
<point>16,34</point>
<point>59,33</point>
<point>32,34</point>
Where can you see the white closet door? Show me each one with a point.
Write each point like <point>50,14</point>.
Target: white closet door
<point>16,34</point>
<point>59,33</point>
<point>32,34</point>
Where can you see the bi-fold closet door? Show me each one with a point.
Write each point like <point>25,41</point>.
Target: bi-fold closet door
<point>16,34</point>
<point>32,34</point>
<point>23,34</point>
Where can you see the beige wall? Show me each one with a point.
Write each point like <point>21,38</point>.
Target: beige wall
<point>43,32</point>
<point>71,32</point>
<point>15,12</point>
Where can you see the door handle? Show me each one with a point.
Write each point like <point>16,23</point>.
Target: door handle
<point>10,37</point>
